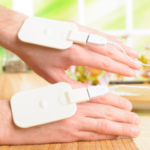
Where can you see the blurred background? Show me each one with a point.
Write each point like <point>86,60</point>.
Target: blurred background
<point>127,19</point>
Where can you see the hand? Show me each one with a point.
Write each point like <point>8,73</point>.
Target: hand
<point>102,118</point>
<point>51,63</point>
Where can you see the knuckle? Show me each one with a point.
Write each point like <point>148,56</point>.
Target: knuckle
<point>92,137</point>
<point>73,52</point>
<point>106,62</point>
<point>84,123</point>
<point>121,102</point>
<point>102,125</point>
<point>69,136</point>
<point>126,68</point>
<point>110,51</point>
<point>128,117</point>
<point>89,136</point>
<point>109,111</point>
<point>67,122</point>
<point>104,99</point>
<point>128,50</point>
<point>74,134</point>
<point>125,130</point>
<point>132,117</point>
<point>71,122</point>
<point>83,108</point>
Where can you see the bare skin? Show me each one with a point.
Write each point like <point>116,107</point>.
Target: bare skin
<point>101,118</point>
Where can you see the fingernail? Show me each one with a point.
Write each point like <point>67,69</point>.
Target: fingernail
<point>134,52</point>
<point>135,131</point>
<point>128,105</point>
<point>132,72</point>
<point>136,119</point>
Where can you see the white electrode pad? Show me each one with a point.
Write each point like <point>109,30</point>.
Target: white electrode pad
<point>40,106</point>
<point>46,32</point>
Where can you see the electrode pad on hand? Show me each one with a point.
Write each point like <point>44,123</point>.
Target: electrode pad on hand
<point>40,106</point>
<point>46,32</point>
<point>60,35</point>
<point>55,34</point>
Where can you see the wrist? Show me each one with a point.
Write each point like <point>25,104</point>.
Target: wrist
<point>11,134</point>
<point>10,24</point>
<point>5,121</point>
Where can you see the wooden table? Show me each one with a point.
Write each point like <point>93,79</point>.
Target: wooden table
<point>118,144</point>
<point>12,83</point>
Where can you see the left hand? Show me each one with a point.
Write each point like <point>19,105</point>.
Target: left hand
<point>51,63</point>
<point>99,119</point>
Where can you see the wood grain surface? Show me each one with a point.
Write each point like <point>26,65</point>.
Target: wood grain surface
<point>13,83</point>
<point>119,144</point>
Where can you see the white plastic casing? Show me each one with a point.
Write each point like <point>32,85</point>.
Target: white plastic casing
<point>40,106</point>
<point>46,32</point>
<point>97,91</point>
<point>78,95</point>
<point>78,37</point>
<point>75,96</point>
<point>97,40</point>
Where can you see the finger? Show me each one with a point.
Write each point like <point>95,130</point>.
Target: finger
<point>114,38</point>
<point>103,126</point>
<point>113,100</point>
<point>115,54</point>
<point>86,135</point>
<point>95,110</point>
<point>129,51</point>
<point>93,31</point>
<point>100,62</point>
